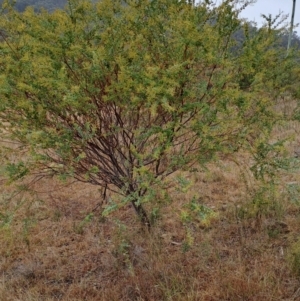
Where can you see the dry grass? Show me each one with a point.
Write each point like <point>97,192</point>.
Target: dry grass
<point>52,249</point>
<point>50,252</point>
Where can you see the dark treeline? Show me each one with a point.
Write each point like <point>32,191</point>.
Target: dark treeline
<point>295,42</point>
<point>283,37</point>
<point>49,5</point>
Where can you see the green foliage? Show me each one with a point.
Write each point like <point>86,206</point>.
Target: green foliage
<point>5,218</point>
<point>196,211</point>
<point>80,227</point>
<point>265,201</point>
<point>122,94</point>
<point>28,223</point>
<point>293,191</point>
<point>294,258</point>
<point>16,171</point>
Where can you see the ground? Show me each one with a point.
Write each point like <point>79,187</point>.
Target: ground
<point>220,239</point>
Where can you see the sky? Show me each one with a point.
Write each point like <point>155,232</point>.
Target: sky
<point>253,12</point>
<point>266,7</point>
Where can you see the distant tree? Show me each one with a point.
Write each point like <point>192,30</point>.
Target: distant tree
<point>122,94</point>
<point>295,40</point>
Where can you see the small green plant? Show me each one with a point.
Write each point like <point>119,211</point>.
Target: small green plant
<point>294,258</point>
<point>5,219</point>
<point>155,215</point>
<point>273,232</point>
<point>123,255</point>
<point>57,215</point>
<point>264,200</point>
<point>293,191</point>
<point>122,247</point>
<point>189,241</point>
<point>196,211</point>
<point>87,220</point>
<point>195,214</point>
<point>28,223</point>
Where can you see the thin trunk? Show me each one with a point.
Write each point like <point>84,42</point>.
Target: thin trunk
<point>142,214</point>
